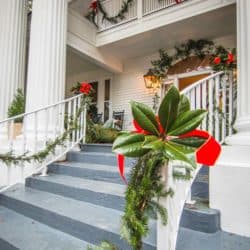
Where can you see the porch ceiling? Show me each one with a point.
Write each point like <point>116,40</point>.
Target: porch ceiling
<point>211,25</point>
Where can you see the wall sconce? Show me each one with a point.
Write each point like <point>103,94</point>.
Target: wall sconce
<point>152,81</point>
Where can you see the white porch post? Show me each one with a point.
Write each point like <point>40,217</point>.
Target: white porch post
<point>243,48</point>
<point>13,18</point>
<point>47,57</point>
<point>229,180</point>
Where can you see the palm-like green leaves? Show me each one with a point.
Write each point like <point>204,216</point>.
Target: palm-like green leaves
<point>175,118</point>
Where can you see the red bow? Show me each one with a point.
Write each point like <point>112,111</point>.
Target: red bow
<point>207,154</point>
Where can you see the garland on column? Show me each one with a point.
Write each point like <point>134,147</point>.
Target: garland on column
<point>96,6</point>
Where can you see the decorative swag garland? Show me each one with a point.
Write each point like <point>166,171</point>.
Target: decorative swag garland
<point>72,125</point>
<point>222,59</point>
<point>97,6</point>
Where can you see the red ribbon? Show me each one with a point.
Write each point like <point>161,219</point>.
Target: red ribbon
<point>121,165</point>
<point>207,154</point>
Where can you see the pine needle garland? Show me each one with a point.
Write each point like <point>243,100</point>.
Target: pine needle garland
<point>10,158</point>
<point>144,190</point>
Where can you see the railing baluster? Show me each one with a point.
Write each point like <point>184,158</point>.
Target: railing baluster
<point>74,116</point>
<point>204,102</point>
<point>224,120</point>
<point>211,105</point>
<point>217,111</point>
<point>230,104</point>
<point>69,121</point>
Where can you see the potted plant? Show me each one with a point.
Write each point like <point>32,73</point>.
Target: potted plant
<point>17,107</point>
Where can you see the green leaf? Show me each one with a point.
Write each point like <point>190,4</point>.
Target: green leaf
<point>187,122</point>
<point>150,138</point>
<point>155,145</point>
<point>130,145</point>
<point>169,108</point>
<point>182,148</point>
<point>175,153</point>
<point>190,141</point>
<point>184,105</point>
<point>145,117</point>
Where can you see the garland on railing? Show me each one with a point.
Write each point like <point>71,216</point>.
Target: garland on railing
<point>221,59</point>
<point>96,6</point>
<point>72,125</point>
<point>172,135</point>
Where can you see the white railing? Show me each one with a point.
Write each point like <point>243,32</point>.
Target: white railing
<point>215,93</point>
<point>150,6</point>
<point>112,8</point>
<point>40,127</point>
<point>138,9</point>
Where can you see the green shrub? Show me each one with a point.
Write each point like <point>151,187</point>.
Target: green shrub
<point>17,106</point>
<point>96,133</point>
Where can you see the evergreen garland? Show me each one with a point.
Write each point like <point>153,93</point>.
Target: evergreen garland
<point>144,190</point>
<point>199,48</point>
<point>112,19</point>
<point>10,158</point>
<point>96,6</point>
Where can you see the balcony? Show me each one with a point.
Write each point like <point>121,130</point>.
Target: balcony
<point>137,10</point>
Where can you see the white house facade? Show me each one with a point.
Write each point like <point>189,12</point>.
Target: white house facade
<point>48,50</point>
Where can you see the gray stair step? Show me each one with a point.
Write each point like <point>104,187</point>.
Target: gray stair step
<point>103,148</point>
<point>193,240</point>
<point>20,232</point>
<point>199,217</point>
<point>200,186</point>
<point>92,157</point>
<point>96,158</point>
<point>109,195</point>
<point>88,171</point>
<point>80,219</point>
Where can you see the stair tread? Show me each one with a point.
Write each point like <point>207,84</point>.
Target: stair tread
<point>201,207</point>
<point>107,154</point>
<point>29,234</point>
<point>83,183</point>
<point>104,218</point>
<point>91,166</point>
<point>194,240</point>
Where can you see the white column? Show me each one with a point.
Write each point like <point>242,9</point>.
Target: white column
<point>13,19</point>
<point>47,56</point>
<point>243,58</point>
<point>47,60</point>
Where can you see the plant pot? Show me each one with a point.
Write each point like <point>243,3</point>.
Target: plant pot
<point>16,130</point>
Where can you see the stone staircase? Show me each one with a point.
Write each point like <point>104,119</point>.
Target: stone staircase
<point>80,203</point>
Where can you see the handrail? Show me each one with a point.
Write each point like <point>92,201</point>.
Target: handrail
<point>40,109</point>
<point>194,85</point>
<point>61,125</point>
<point>214,93</point>
<point>139,9</point>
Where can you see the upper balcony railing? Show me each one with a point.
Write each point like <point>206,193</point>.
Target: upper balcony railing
<point>137,10</point>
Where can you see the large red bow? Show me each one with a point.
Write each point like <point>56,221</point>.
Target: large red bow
<point>207,154</point>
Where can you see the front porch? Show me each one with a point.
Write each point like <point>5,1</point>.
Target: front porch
<point>81,200</point>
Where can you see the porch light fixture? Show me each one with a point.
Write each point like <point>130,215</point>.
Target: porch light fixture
<point>152,81</point>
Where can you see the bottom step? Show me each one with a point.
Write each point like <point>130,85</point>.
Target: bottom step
<point>20,232</point>
<point>193,240</point>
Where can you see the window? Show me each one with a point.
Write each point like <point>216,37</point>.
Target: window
<point>106,100</point>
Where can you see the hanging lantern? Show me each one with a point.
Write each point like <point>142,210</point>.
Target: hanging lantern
<point>151,80</point>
